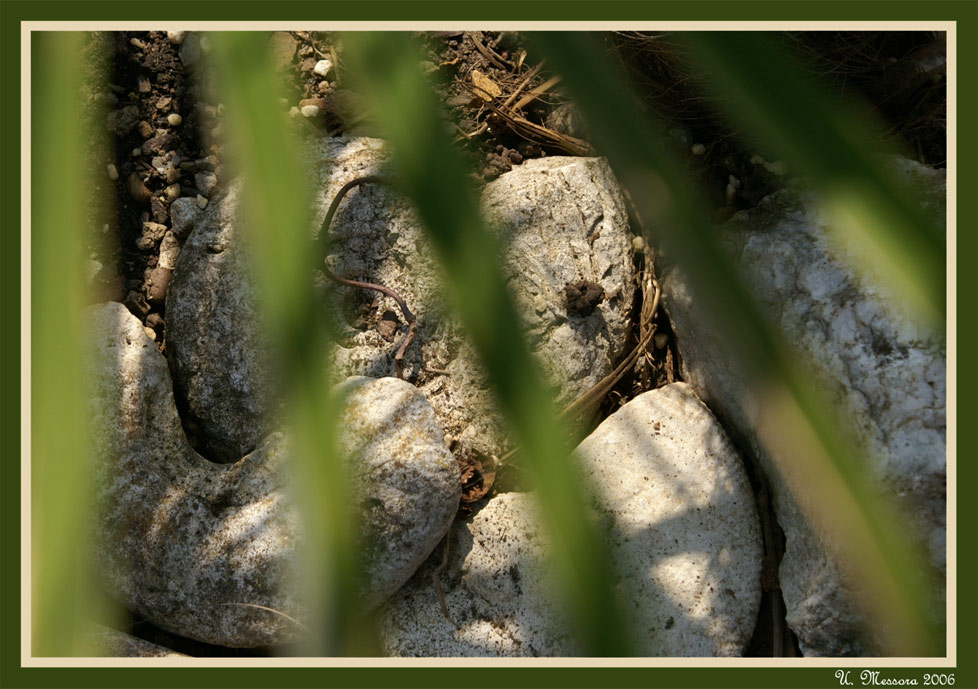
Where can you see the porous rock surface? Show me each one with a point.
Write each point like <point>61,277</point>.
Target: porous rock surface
<point>876,366</point>
<point>110,643</point>
<point>678,512</point>
<point>194,546</point>
<point>559,220</point>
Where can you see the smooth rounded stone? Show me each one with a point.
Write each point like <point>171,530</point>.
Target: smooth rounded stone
<point>664,471</point>
<point>194,546</point>
<point>375,236</point>
<point>678,513</point>
<point>873,363</point>
<point>322,67</point>
<point>393,437</point>
<point>562,220</point>
<point>215,347</point>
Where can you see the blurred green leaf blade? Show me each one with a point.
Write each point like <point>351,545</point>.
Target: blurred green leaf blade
<point>433,176</point>
<point>880,555</point>
<point>784,109</point>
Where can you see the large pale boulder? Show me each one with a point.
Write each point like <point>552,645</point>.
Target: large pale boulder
<point>881,371</point>
<point>211,551</point>
<point>673,501</point>
<point>560,221</point>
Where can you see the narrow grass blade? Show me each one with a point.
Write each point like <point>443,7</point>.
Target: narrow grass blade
<point>843,500</point>
<point>780,106</point>
<point>278,205</point>
<point>64,597</point>
<point>431,173</point>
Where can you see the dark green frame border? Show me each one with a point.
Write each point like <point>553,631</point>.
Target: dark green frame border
<point>12,12</point>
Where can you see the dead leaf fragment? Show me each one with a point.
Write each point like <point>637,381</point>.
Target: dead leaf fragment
<point>485,87</point>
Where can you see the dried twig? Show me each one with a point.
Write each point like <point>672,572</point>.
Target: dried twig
<point>490,55</point>
<point>272,610</point>
<point>509,101</point>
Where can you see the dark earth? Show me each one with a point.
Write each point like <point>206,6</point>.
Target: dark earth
<point>165,141</point>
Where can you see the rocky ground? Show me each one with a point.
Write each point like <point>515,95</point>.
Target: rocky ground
<point>168,166</point>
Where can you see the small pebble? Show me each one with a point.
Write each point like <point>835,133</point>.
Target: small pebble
<point>201,201</point>
<point>174,119</point>
<point>698,149</point>
<point>660,340</point>
<point>638,244</point>
<point>176,37</point>
<point>173,191</point>
<point>136,152</point>
<point>163,103</point>
<point>159,280</point>
<point>142,83</point>
<point>113,171</point>
<point>206,182</point>
<point>189,51</point>
<point>730,194</point>
<point>138,189</point>
<point>310,111</point>
<point>322,67</point>
<point>169,250</point>
<point>150,333</point>
<point>136,303</point>
<point>153,231</point>
<point>539,303</point>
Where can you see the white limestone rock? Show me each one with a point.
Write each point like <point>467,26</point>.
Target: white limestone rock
<point>560,222</point>
<point>883,373</point>
<point>194,546</point>
<point>679,516</point>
